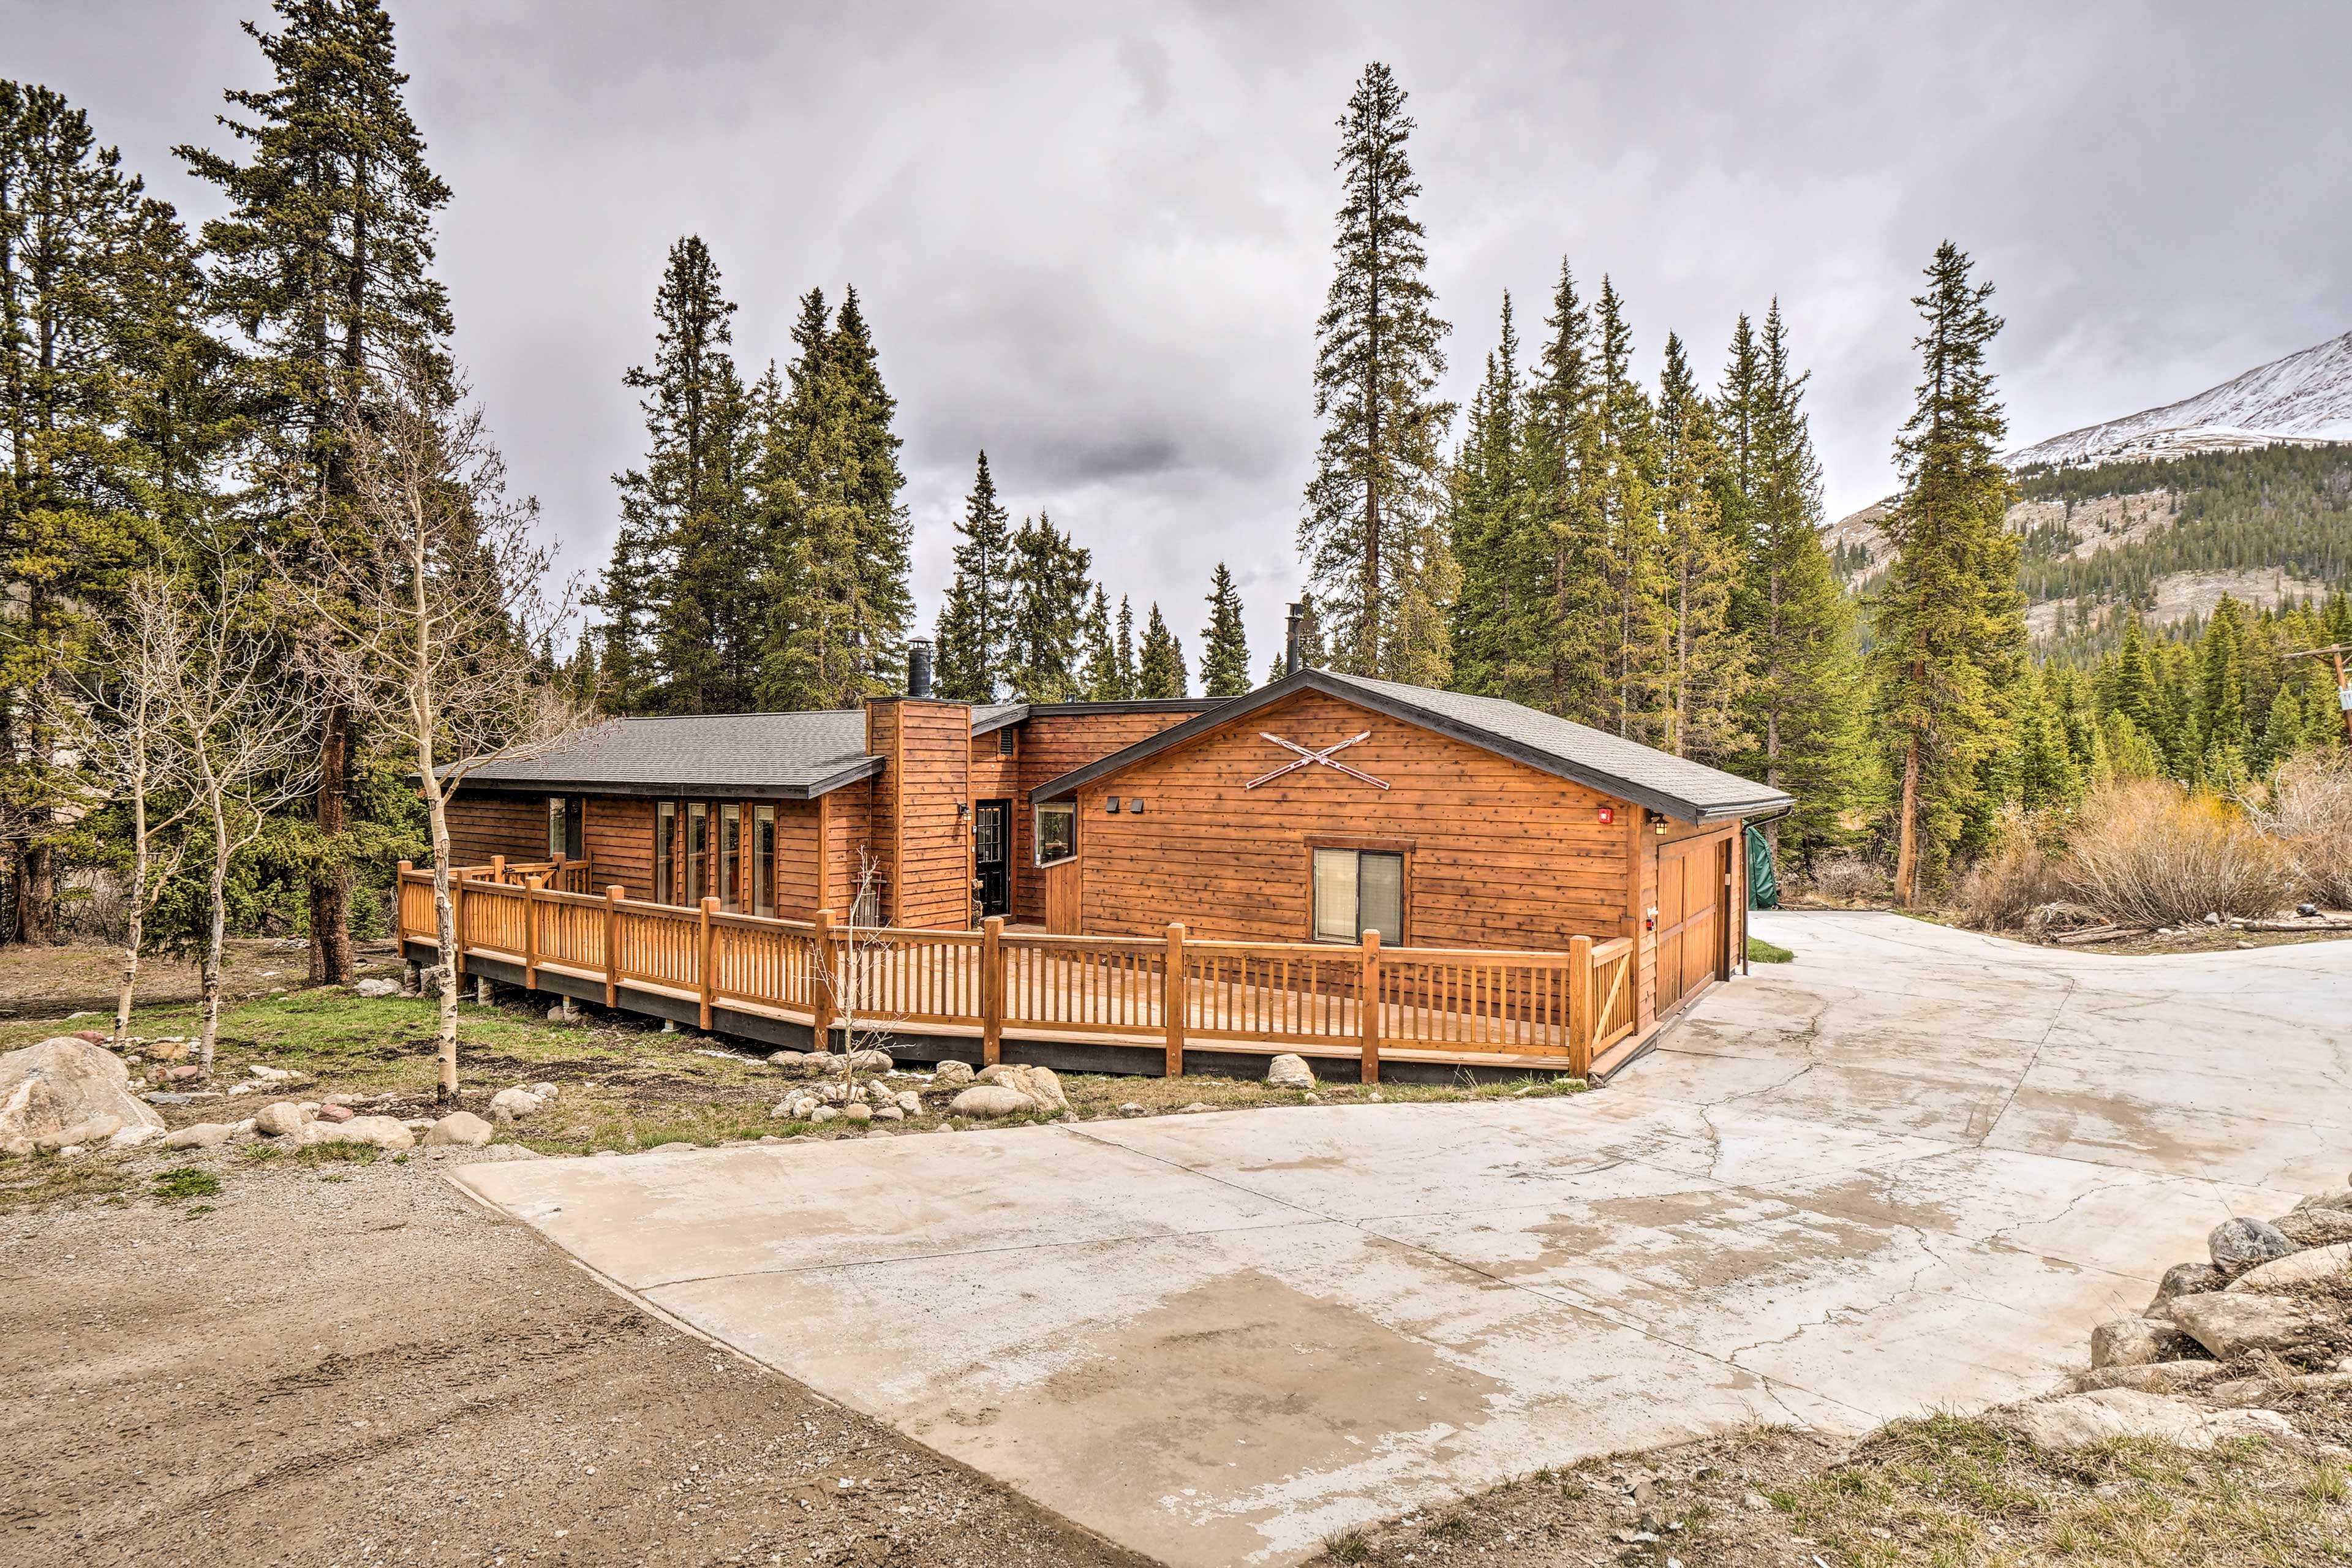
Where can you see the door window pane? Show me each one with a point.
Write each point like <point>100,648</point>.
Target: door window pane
<point>730,857</point>
<point>666,852</point>
<point>1335,895</point>
<point>575,823</point>
<point>763,850</point>
<point>697,851</point>
<point>555,827</point>
<point>1380,897</point>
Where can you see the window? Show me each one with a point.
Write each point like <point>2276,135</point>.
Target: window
<point>563,822</point>
<point>1356,891</point>
<point>555,827</point>
<point>1005,741</point>
<point>730,857</point>
<point>1057,834</point>
<point>763,849</point>
<point>666,852</point>
<point>697,851</point>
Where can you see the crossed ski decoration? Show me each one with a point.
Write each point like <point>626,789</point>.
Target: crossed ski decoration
<point>1309,759</point>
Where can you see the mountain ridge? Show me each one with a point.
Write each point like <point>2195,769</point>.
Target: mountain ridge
<point>2303,398</point>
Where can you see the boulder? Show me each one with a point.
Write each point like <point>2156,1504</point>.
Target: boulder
<point>872,1061</point>
<point>2136,1342</point>
<point>1038,1086</point>
<point>952,1073</point>
<point>2156,1377</point>
<point>860,1112</point>
<point>2319,1263</point>
<point>2235,1323</point>
<point>545,1093</point>
<point>383,1131</point>
<point>280,1119</point>
<point>133,1137</point>
<point>787,1060</point>
<point>377,988</point>
<point>513,1104</point>
<point>1289,1071</point>
<point>458,1130</point>
<point>908,1101</point>
<point>2237,1244</point>
<point>2339,1199</point>
<point>2316,1227</point>
<point>2187,1279</point>
<point>202,1135</point>
<point>990,1099</point>
<point>77,1082</point>
<point>823,1113</point>
<point>2072,1420</point>
<point>96,1130</point>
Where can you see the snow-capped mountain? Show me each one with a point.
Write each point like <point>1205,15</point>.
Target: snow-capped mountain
<point>2304,398</point>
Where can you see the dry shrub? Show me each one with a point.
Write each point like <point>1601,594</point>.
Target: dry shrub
<point>1847,880</point>
<point>2310,814</point>
<point>2148,853</point>
<point>2005,888</point>
<point>93,906</point>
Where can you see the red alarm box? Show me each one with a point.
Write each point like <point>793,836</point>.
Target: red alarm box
<point>1605,814</point>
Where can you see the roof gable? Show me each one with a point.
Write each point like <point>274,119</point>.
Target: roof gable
<point>1673,786</point>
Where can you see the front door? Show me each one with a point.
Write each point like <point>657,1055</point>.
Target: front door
<point>992,855</point>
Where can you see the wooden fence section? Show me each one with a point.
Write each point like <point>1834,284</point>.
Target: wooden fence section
<point>1501,1009</point>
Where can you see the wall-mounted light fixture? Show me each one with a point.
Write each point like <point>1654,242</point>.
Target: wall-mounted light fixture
<point>1136,805</point>
<point>1110,805</point>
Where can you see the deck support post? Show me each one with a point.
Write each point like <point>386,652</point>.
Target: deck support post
<point>991,990</point>
<point>1172,996</point>
<point>530,886</point>
<point>613,896</point>
<point>710,965</point>
<point>821,985</point>
<point>1368,1007</point>
<point>1581,1023</point>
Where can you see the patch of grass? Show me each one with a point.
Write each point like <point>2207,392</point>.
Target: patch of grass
<point>1348,1546</point>
<point>338,1153</point>
<point>187,1182</point>
<point>44,1179</point>
<point>1762,952</point>
<point>1451,1526</point>
<point>192,1210</point>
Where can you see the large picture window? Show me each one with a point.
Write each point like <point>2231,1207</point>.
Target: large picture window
<point>1057,834</point>
<point>1356,891</point>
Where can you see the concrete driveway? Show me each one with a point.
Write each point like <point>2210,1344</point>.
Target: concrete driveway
<point>1909,1171</point>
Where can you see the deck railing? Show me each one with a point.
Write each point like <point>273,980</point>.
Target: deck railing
<point>1517,1008</point>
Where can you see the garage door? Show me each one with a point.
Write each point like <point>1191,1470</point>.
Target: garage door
<point>1692,916</point>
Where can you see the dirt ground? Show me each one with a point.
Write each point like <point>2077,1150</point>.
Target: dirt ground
<point>345,1361</point>
<point>54,981</point>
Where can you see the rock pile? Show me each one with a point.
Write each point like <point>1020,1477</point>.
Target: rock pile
<point>509,1106</point>
<point>299,1124</point>
<point>870,1100</point>
<point>1005,1089</point>
<point>827,1064</point>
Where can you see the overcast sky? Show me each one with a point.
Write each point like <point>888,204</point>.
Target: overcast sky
<point>1094,239</point>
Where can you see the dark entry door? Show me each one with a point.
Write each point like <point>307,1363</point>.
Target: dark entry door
<point>992,855</point>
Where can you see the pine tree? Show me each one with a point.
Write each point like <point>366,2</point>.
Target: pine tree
<point>1162,672</point>
<point>1369,532</point>
<point>1560,642</point>
<point>324,262</point>
<point>1225,646</point>
<point>1949,621</point>
<point>1706,674</point>
<point>2221,682</point>
<point>973,628</point>
<point>1098,674</point>
<point>1049,607</point>
<point>882,603</point>
<point>1130,681</point>
<point>1624,520</point>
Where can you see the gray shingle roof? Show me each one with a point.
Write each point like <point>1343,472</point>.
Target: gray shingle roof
<point>789,756</point>
<point>1682,789</point>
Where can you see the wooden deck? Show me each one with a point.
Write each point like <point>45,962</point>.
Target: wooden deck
<point>1509,1012</point>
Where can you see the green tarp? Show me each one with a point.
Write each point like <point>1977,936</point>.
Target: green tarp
<point>1763,887</point>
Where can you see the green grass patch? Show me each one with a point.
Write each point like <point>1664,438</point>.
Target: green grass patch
<point>336,1155</point>
<point>1762,952</point>
<point>1348,1546</point>
<point>187,1182</point>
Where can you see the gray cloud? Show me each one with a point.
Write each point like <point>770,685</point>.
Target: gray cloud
<point>1095,238</point>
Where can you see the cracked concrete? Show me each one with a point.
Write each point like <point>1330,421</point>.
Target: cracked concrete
<point>1909,1171</point>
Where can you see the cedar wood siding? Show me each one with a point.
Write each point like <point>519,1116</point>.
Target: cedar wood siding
<point>931,777</point>
<point>1497,855</point>
<point>1051,745</point>
<point>486,823</point>
<point>995,776</point>
<point>618,835</point>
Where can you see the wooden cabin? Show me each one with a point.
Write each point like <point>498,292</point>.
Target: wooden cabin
<point>1317,809</point>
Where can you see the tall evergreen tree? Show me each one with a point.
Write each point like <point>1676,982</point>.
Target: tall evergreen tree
<point>1948,620</point>
<point>1131,680</point>
<point>973,628</point>
<point>882,603</point>
<point>1049,607</point>
<point>1490,526</point>
<point>324,260</point>
<point>1706,657</point>
<point>1562,665</point>
<point>1162,666</point>
<point>1225,646</point>
<point>1098,673</point>
<point>1622,475</point>
<point>1369,532</point>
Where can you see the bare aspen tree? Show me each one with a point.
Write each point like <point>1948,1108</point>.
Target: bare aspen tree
<point>121,717</point>
<point>430,616</point>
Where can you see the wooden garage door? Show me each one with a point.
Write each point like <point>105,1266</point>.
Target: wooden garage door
<point>1691,919</point>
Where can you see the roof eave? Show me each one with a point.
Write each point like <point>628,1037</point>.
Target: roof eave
<point>863,768</point>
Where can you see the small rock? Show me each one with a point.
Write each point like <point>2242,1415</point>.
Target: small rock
<point>908,1101</point>
<point>990,1099</point>
<point>772,1138</point>
<point>545,1093</point>
<point>186,1072</point>
<point>2136,1342</point>
<point>888,1113</point>
<point>1196,1105</point>
<point>1374,1096</point>
<point>2237,1244</point>
<point>377,988</point>
<point>133,1137</point>
<point>2319,1263</point>
<point>458,1130</point>
<point>2156,1377</point>
<point>334,1113</point>
<point>81,1134</point>
<point>2187,1279</point>
<point>202,1135</point>
<point>90,1037</point>
<point>952,1073</point>
<point>879,1132</point>
<point>857,1113</point>
<point>1289,1071</point>
<point>2234,1323</point>
<point>871,1061</point>
<point>513,1104</point>
<point>2072,1420</point>
<point>1313,1098</point>
<point>1130,1109</point>
<point>2339,1199</point>
<point>823,1113</point>
<point>280,1119</point>
<point>787,1059</point>
<point>680,1147</point>
<point>382,1131</point>
<point>2317,1226</point>
<point>1753,1502</point>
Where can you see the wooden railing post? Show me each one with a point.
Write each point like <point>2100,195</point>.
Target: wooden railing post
<point>1367,1006</point>
<point>498,869</point>
<point>400,902</point>
<point>1581,1021</point>
<point>710,965</point>
<point>613,896</point>
<point>991,990</point>
<point>530,886</point>
<point>821,985</point>
<point>1172,998</point>
<point>456,923</point>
